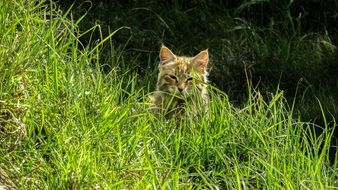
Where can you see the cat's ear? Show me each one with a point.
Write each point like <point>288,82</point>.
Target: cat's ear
<point>166,55</point>
<point>201,60</point>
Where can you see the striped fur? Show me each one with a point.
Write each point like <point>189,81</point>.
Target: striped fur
<point>181,81</point>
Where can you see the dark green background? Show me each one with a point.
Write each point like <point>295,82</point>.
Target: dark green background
<point>290,45</point>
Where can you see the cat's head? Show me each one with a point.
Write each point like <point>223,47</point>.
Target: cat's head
<point>181,75</point>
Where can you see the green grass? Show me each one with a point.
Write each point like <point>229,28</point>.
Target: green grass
<point>290,45</point>
<point>66,124</point>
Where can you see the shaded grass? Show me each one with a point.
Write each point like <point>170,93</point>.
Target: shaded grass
<point>65,124</point>
<point>279,43</point>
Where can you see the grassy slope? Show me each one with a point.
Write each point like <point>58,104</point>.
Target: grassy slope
<point>65,124</point>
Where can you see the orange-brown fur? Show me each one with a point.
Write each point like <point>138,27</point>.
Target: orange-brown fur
<point>181,81</point>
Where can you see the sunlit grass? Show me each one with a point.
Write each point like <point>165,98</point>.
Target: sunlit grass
<point>65,124</point>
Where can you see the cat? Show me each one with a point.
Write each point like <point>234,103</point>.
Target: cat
<point>181,83</point>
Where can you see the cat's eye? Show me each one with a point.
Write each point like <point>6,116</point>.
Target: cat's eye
<point>189,79</point>
<point>173,77</point>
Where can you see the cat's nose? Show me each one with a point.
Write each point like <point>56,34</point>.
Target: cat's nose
<point>180,89</point>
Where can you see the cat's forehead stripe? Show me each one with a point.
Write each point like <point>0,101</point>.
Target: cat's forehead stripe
<point>182,64</point>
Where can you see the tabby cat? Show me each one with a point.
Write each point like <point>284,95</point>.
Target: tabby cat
<point>181,82</point>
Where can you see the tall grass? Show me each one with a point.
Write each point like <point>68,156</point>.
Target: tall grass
<point>280,43</point>
<point>66,124</point>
